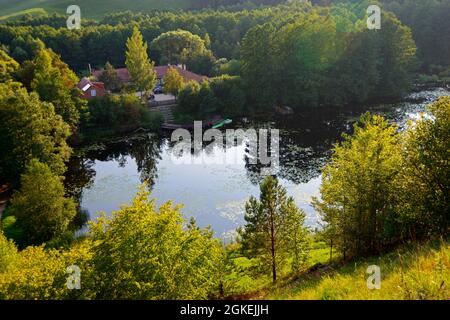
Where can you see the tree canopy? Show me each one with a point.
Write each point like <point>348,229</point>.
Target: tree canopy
<point>56,83</point>
<point>7,66</point>
<point>110,78</point>
<point>139,65</point>
<point>173,81</point>
<point>357,193</point>
<point>183,47</point>
<point>40,206</point>
<point>30,129</point>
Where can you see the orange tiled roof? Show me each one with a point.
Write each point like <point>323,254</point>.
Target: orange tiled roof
<point>160,73</point>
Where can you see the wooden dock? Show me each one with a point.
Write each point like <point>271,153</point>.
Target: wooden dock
<point>190,126</point>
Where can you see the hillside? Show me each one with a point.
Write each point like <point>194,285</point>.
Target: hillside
<point>90,9</point>
<point>412,272</point>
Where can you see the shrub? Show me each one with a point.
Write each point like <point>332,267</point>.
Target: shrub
<point>41,208</point>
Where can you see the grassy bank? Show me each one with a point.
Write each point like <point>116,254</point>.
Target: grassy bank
<point>416,271</point>
<point>246,282</point>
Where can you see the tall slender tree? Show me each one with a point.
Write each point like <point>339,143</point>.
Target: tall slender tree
<point>274,229</point>
<point>139,66</point>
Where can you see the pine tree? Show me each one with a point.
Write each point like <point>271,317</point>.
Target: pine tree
<point>274,229</point>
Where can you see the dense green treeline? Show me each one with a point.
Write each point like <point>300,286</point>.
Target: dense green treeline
<point>321,58</point>
<point>104,42</point>
<point>99,42</point>
<point>312,55</point>
<point>430,26</point>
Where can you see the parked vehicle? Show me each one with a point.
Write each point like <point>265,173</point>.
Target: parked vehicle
<point>158,90</point>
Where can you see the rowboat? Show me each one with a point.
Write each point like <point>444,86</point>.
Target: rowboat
<point>222,123</point>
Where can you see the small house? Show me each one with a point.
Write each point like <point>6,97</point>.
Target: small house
<point>91,89</point>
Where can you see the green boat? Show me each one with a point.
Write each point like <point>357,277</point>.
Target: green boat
<point>222,123</point>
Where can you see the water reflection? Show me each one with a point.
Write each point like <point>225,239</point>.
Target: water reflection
<point>105,176</point>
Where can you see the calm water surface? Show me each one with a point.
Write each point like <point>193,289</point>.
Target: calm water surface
<point>105,176</point>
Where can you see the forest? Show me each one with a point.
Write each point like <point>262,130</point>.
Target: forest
<point>384,190</point>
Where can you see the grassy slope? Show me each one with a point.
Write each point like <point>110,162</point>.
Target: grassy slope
<point>32,11</point>
<point>411,272</point>
<point>243,283</point>
<point>92,9</point>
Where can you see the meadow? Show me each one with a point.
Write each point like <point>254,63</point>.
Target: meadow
<point>89,9</point>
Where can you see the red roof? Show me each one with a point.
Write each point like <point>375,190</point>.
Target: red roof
<point>85,81</point>
<point>160,73</point>
<point>99,85</point>
<point>86,86</point>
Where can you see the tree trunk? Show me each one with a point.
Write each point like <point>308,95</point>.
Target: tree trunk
<point>331,250</point>
<point>274,266</point>
<point>272,247</point>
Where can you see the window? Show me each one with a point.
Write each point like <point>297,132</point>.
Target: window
<point>93,92</point>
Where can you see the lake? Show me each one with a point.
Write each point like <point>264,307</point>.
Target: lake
<point>105,176</point>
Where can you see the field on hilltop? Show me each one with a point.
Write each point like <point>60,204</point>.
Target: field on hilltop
<point>89,9</point>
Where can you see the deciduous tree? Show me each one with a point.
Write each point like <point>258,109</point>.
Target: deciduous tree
<point>29,128</point>
<point>139,65</point>
<point>173,81</point>
<point>56,83</point>
<point>145,253</point>
<point>7,66</point>
<point>41,208</point>
<point>357,192</point>
<point>424,189</point>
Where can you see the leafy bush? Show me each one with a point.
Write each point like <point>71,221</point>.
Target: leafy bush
<point>222,95</point>
<point>144,253</point>
<point>119,113</point>
<point>35,273</point>
<point>138,253</point>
